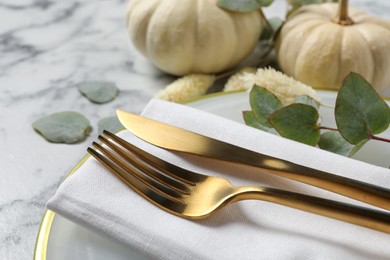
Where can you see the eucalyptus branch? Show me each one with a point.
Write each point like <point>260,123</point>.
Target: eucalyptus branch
<point>328,128</point>
<point>380,139</point>
<point>299,121</point>
<point>373,137</point>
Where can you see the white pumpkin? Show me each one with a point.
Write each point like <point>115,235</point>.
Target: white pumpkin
<point>320,49</point>
<point>192,36</point>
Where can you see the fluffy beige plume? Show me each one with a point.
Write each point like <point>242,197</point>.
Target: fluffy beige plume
<point>187,88</point>
<point>238,81</point>
<point>284,87</point>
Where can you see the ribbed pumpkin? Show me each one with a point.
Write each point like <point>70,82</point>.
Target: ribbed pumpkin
<point>192,36</point>
<point>321,44</point>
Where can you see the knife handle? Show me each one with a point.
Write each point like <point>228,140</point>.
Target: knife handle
<point>354,189</point>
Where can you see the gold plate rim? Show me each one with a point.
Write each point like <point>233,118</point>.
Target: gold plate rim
<point>43,236</point>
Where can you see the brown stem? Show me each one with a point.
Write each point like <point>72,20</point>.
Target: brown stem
<point>380,139</point>
<point>373,137</point>
<point>328,128</point>
<point>343,17</point>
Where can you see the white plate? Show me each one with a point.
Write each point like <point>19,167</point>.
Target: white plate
<point>61,239</point>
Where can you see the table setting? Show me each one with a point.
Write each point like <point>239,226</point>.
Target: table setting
<point>116,146</point>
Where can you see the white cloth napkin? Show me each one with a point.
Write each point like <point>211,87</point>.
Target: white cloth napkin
<point>245,230</point>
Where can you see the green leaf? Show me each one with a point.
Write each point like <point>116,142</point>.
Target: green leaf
<point>308,101</point>
<point>305,2</point>
<point>263,104</point>
<point>99,91</point>
<point>111,124</point>
<point>243,6</point>
<point>250,120</point>
<point>63,127</point>
<point>332,141</point>
<point>360,112</point>
<point>357,147</point>
<point>265,3</point>
<point>297,122</point>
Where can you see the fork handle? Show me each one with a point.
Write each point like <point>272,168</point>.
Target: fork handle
<point>354,189</point>
<point>370,218</point>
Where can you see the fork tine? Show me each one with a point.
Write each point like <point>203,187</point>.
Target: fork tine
<point>151,195</point>
<point>163,166</point>
<point>146,168</point>
<point>123,167</point>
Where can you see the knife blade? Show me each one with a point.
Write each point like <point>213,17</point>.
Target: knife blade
<point>177,139</point>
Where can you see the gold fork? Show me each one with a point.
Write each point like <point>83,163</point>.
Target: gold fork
<point>192,195</point>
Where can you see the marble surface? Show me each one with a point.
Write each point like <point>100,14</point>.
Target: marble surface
<point>46,48</point>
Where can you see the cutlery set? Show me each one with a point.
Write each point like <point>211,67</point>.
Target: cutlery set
<point>193,195</point>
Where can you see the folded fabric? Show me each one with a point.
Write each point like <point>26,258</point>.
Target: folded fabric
<point>245,230</point>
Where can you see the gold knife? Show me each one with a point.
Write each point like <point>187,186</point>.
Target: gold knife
<point>178,139</point>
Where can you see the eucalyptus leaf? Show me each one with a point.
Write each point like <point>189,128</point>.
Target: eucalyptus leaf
<point>297,122</point>
<point>360,112</point>
<point>263,104</point>
<point>64,127</point>
<point>265,3</point>
<point>250,120</point>
<point>111,124</point>
<point>357,147</point>
<point>99,91</point>
<point>308,101</point>
<point>243,6</point>
<point>332,141</point>
<point>305,2</point>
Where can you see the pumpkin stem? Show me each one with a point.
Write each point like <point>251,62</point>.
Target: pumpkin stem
<point>343,17</point>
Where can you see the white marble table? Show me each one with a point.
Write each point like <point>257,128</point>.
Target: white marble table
<point>46,47</point>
